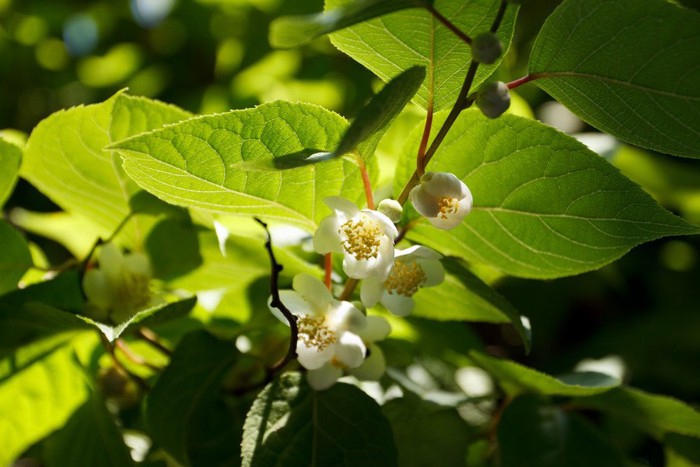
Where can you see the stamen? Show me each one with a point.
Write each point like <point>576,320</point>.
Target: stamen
<point>362,237</point>
<point>447,206</point>
<point>314,333</point>
<point>405,279</point>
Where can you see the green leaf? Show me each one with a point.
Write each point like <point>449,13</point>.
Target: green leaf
<point>515,378</point>
<point>15,258</point>
<point>656,415</point>
<point>39,399</point>
<point>533,433</point>
<point>173,247</point>
<point>681,451</point>
<point>628,67</point>
<point>153,316</point>
<point>89,437</point>
<point>66,160</point>
<point>201,163</point>
<point>10,159</point>
<point>423,428</point>
<point>293,31</point>
<point>463,296</point>
<point>545,206</point>
<point>188,389</point>
<point>290,425</point>
<point>374,118</point>
<point>398,41</point>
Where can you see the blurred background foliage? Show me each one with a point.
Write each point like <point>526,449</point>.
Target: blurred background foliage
<point>212,55</point>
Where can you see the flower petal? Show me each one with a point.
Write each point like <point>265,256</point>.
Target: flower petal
<point>326,238</point>
<point>423,202</point>
<point>445,185</point>
<point>344,316</point>
<point>294,303</point>
<point>449,222</point>
<point>371,291</point>
<point>111,262</point>
<point>324,377</point>
<point>376,330</point>
<point>434,271</point>
<point>97,289</point>
<point>387,227</point>
<point>312,358</point>
<point>350,350</point>
<point>342,206</point>
<point>314,292</point>
<point>400,305</point>
<point>373,367</point>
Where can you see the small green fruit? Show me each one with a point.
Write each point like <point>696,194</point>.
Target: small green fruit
<point>486,48</point>
<point>493,99</point>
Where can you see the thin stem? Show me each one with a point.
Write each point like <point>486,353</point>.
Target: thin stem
<point>109,347</point>
<point>523,80</point>
<point>151,338</point>
<point>366,182</point>
<point>138,359</point>
<point>328,263</point>
<point>349,289</point>
<point>404,231</point>
<point>420,158</point>
<point>100,241</point>
<point>276,302</point>
<point>499,16</point>
<point>448,24</point>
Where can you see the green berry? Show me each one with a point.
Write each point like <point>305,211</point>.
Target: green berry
<point>493,99</point>
<point>486,48</point>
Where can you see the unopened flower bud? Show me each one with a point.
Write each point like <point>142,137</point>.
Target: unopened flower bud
<point>391,209</point>
<point>493,99</point>
<point>486,48</point>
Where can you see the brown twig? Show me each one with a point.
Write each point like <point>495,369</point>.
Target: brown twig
<point>109,347</point>
<point>448,24</point>
<point>137,359</point>
<point>151,338</point>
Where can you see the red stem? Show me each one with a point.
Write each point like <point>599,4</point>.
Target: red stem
<point>366,183</point>
<point>448,24</point>
<point>523,80</point>
<point>420,159</point>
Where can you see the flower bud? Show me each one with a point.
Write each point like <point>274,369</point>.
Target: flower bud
<point>391,209</point>
<point>493,99</point>
<point>486,48</point>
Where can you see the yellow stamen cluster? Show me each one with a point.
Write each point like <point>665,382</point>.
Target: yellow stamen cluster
<point>405,279</point>
<point>362,237</point>
<point>447,206</point>
<point>314,333</point>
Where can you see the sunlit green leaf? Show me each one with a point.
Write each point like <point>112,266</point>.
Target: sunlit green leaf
<point>465,297</point>
<point>188,389</point>
<point>90,437</point>
<point>201,163</point>
<point>396,42</point>
<point>173,248</point>
<point>533,432</point>
<point>423,428</point>
<point>15,258</point>
<point>544,205</point>
<point>289,425</point>
<point>374,118</point>
<point>292,31</point>
<point>515,378</point>
<point>628,67</point>
<point>10,159</point>
<point>652,413</point>
<point>39,399</point>
<point>66,160</point>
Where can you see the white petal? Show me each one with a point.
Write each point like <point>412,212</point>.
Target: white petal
<point>400,305</point>
<point>350,350</point>
<point>294,303</point>
<point>373,367</point>
<point>357,269</point>
<point>326,238</point>
<point>314,292</point>
<point>418,251</point>
<point>342,206</point>
<point>376,330</point>
<point>324,377</point>
<point>449,222</point>
<point>445,185</point>
<point>465,204</point>
<point>312,358</point>
<point>343,316</point>
<point>97,289</point>
<point>137,264</point>
<point>434,271</point>
<point>385,259</point>
<point>423,202</point>
<point>371,291</point>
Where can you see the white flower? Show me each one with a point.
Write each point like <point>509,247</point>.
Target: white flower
<point>443,198</point>
<point>327,341</point>
<point>119,286</point>
<point>414,267</point>
<point>365,237</point>
<point>374,365</point>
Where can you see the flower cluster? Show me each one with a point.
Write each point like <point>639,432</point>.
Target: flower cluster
<point>119,286</point>
<point>334,336</point>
